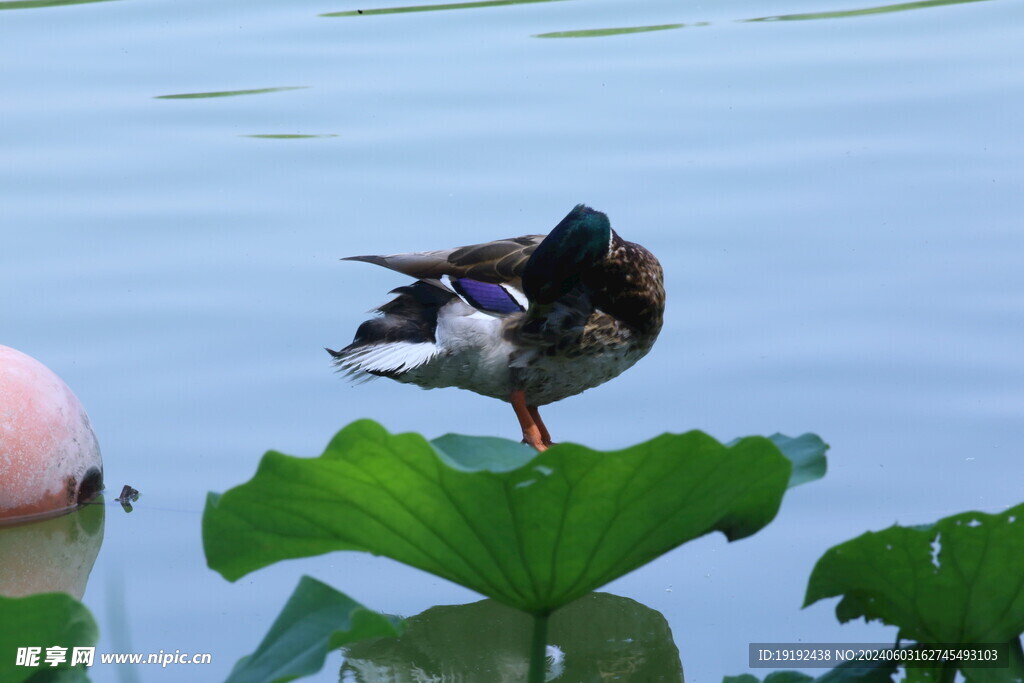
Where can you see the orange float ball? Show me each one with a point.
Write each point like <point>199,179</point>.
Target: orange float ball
<point>49,457</point>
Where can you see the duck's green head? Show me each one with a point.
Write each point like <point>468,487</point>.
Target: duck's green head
<point>579,242</point>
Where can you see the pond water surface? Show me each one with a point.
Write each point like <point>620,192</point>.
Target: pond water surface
<point>836,196</point>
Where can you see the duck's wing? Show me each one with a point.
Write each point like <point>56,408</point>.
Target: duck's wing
<point>477,280</point>
<point>497,262</point>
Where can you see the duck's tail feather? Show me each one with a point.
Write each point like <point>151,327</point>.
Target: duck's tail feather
<point>382,360</point>
<point>401,338</point>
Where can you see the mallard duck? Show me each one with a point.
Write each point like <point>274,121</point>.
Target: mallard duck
<point>529,320</point>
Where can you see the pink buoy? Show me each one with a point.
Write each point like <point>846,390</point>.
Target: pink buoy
<point>49,457</point>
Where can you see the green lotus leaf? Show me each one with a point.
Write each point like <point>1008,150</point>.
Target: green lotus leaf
<point>316,620</point>
<point>806,452</point>
<point>1013,672</point>
<point>478,453</point>
<point>44,620</point>
<point>959,580</point>
<point>558,526</point>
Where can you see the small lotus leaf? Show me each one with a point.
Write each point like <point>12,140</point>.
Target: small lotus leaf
<point>316,620</point>
<point>959,580</point>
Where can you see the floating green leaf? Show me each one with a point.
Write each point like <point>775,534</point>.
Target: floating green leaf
<point>537,537</point>
<point>43,620</point>
<point>603,32</point>
<point>959,580</point>
<point>433,8</point>
<point>37,4</point>
<point>316,620</point>
<point>228,93</point>
<point>883,9</point>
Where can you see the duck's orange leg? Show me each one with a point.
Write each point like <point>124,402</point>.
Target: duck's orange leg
<point>534,432</point>
<point>535,414</point>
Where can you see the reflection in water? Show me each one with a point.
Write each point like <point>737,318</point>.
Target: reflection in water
<point>598,637</point>
<point>839,14</point>
<point>598,32</point>
<point>228,93</point>
<point>32,4</point>
<point>432,8</point>
<point>53,555</point>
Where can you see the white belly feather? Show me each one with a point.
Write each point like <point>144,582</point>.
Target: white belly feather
<point>472,353</point>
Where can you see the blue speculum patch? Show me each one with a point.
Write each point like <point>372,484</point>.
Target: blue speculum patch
<point>486,296</point>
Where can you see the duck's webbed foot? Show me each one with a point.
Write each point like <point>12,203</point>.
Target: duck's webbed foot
<point>535,414</point>
<point>534,431</point>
